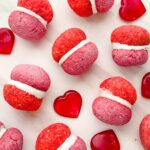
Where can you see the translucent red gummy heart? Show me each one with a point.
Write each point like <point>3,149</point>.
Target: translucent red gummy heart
<point>131,9</point>
<point>68,105</point>
<point>6,41</point>
<point>145,89</point>
<point>106,140</point>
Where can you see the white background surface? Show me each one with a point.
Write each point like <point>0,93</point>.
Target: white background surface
<point>98,29</point>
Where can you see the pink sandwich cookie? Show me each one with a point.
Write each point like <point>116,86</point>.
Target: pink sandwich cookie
<point>30,18</point>
<point>27,87</point>
<point>86,8</point>
<point>116,99</point>
<point>130,45</point>
<point>144,132</point>
<point>10,139</point>
<point>74,52</point>
<point>58,137</point>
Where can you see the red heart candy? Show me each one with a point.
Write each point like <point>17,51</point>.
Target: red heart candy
<point>145,89</point>
<point>6,41</point>
<point>131,9</point>
<point>106,140</point>
<point>68,105</point>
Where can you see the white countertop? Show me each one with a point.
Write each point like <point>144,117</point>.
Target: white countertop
<point>98,29</point>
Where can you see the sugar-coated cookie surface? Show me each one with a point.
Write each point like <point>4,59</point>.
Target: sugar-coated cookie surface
<point>30,18</point>
<point>27,87</point>
<point>86,8</point>
<point>115,101</point>
<point>130,45</point>
<point>73,52</point>
<point>10,139</point>
<point>145,132</point>
<point>58,137</point>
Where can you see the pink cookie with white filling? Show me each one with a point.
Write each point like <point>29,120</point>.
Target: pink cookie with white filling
<point>74,52</point>
<point>130,45</point>
<point>86,8</point>
<point>58,137</point>
<point>10,139</point>
<point>30,18</point>
<point>116,99</point>
<point>27,87</point>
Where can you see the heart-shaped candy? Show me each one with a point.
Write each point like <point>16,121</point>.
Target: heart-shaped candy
<point>6,40</point>
<point>106,140</point>
<point>145,89</point>
<point>131,9</point>
<point>68,105</point>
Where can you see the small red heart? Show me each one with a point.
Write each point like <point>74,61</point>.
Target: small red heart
<point>131,9</point>
<point>68,105</point>
<point>145,89</point>
<point>6,41</point>
<point>106,140</point>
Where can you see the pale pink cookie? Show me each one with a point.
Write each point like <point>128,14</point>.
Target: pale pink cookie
<point>86,8</point>
<point>74,52</point>
<point>10,139</point>
<point>27,87</point>
<point>59,137</point>
<point>30,18</point>
<point>116,99</point>
<point>130,45</point>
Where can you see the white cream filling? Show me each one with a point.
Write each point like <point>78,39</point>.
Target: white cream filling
<point>24,87</point>
<point>69,53</point>
<point>29,12</point>
<point>129,47</point>
<point>93,4</point>
<point>2,131</point>
<point>70,141</point>
<point>109,95</point>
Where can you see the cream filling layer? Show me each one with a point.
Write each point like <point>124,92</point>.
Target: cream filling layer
<point>109,95</point>
<point>93,4</point>
<point>70,141</point>
<point>73,50</point>
<point>2,131</point>
<point>24,87</point>
<point>129,47</point>
<point>29,12</point>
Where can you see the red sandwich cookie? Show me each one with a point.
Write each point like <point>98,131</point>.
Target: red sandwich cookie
<point>116,99</point>
<point>58,137</point>
<point>145,132</point>
<point>130,45</point>
<point>74,52</point>
<point>27,87</point>
<point>86,8</point>
<point>10,139</point>
<point>30,18</point>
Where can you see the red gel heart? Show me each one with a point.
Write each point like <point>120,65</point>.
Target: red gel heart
<point>6,41</point>
<point>68,105</point>
<point>106,140</point>
<point>145,89</point>
<point>131,9</point>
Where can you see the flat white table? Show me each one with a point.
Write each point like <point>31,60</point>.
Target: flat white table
<point>98,29</point>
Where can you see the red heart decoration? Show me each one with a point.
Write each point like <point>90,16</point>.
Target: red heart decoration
<point>68,105</point>
<point>106,140</point>
<point>145,89</point>
<point>131,9</point>
<point>6,41</point>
